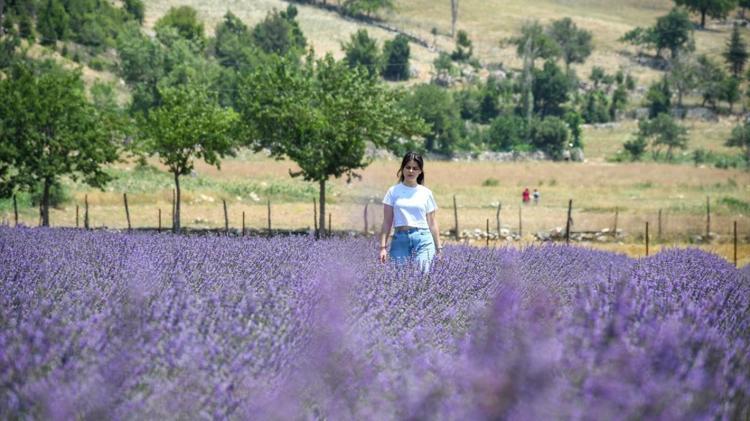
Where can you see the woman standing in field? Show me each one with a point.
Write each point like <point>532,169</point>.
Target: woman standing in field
<point>410,208</point>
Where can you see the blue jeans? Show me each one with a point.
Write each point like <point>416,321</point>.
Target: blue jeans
<point>415,243</point>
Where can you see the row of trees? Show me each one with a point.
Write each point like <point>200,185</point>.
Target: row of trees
<point>319,113</point>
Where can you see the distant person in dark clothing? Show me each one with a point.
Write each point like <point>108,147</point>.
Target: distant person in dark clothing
<point>536,195</point>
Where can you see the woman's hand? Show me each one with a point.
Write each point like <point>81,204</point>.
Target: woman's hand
<point>383,255</point>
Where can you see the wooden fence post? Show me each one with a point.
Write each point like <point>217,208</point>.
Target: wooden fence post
<point>269,218</point>
<point>520,222</point>
<point>77,212</point>
<point>86,212</point>
<point>497,218</point>
<point>159,226</point>
<point>614,230</point>
<point>226,217</point>
<point>243,223</point>
<point>15,210</point>
<point>366,228</point>
<point>567,223</point>
<point>646,238</point>
<point>658,231</point>
<point>127,211</point>
<point>455,218</point>
<point>330,230</point>
<point>708,218</point>
<point>488,232</point>
<point>735,243</point>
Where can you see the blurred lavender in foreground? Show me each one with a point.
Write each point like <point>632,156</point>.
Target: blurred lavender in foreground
<point>106,325</point>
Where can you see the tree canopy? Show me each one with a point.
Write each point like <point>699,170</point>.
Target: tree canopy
<point>361,50</point>
<point>322,117</point>
<point>188,125</point>
<point>575,44</point>
<point>52,131</point>
<point>713,8</point>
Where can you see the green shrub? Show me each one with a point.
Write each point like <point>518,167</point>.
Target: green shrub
<point>491,182</point>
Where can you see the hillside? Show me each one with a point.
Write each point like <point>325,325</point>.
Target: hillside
<point>487,22</point>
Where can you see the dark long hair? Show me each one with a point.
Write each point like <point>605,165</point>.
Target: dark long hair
<point>412,156</point>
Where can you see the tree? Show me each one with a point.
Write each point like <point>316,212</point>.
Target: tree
<point>575,44</point>
<point>233,43</point>
<point>740,138</point>
<point>663,131</point>
<point>717,9</point>
<point>279,33</point>
<point>51,131</point>
<point>736,53</point>
<point>550,135</point>
<point>683,76</point>
<point>532,44</point>
<point>730,91</point>
<point>550,89</point>
<point>673,32</point>
<point>188,125</point>
<point>361,50</point>
<point>711,80</point>
<point>436,107</point>
<point>506,133</point>
<point>136,9</point>
<point>322,116</point>
<point>52,22</point>
<point>185,20</point>
<point>659,98</point>
<point>396,58</point>
<point>636,147</point>
<point>464,49</point>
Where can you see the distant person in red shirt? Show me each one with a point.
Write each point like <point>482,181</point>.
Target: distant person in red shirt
<point>526,196</point>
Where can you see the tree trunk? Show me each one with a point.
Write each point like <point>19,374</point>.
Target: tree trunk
<point>703,19</point>
<point>45,202</point>
<point>176,225</point>
<point>454,17</point>
<point>322,216</point>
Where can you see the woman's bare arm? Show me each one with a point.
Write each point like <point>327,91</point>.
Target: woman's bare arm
<point>385,230</point>
<point>434,229</point>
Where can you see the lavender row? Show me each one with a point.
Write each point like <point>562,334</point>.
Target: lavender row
<point>97,324</point>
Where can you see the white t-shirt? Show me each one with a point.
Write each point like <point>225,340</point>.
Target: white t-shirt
<point>410,205</point>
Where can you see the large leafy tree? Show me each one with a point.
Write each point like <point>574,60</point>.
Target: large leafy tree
<point>187,126</point>
<point>322,116</point>
<point>736,53</point>
<point>713,8</point>
<point>49,130</point>
<point>575,44</point>
<point>361,50</point>
<point>435,105</point>
<point>532,44</point>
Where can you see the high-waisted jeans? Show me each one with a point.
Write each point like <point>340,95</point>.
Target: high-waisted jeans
<point>415,243</point>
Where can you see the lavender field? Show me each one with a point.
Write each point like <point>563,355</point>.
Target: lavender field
<point>100,325</point>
